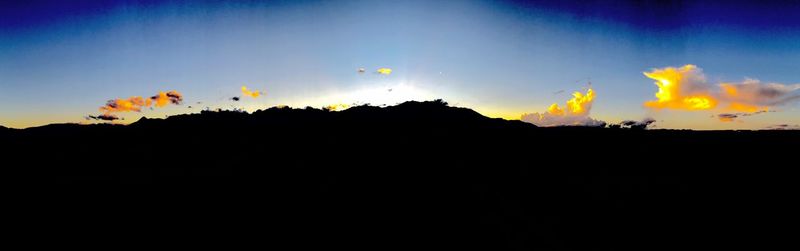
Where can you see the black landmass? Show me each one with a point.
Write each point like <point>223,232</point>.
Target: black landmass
<point>421,175</point>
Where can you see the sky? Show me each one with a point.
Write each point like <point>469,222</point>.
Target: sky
<point>61,61</point>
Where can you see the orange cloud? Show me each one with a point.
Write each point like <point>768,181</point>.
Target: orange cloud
<point>162,98</point>
<point>686,88</point>
<point>336,107</point>
<point>576,112</point>
<point>580,104</point>
<point>745,107</point>
<point>385,71</point>
<point>752,95</point>
<point>132,104</point>
<point>681,88</point>
<point>555,110</point>
<point>248,93</point>
<point>135,104</point>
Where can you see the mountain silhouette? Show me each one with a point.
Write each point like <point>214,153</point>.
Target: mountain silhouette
<point>423,174</point>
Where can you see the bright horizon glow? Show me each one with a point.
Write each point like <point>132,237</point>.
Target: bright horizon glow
<point>379,96</point>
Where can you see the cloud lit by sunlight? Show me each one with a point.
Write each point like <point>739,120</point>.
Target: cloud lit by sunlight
<point>164,98</point>
<point>249,93</point>
<point>576,112</point>
<point>136,103</point>
<point>681,88</point>
<point>336,107</point>
<point>385,71</point>
<point>686,88</point>
<point>752,95</point>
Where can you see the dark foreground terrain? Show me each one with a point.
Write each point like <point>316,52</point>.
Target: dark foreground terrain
<point>411,176</point>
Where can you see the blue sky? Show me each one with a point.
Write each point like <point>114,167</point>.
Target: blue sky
<point>60,61</point>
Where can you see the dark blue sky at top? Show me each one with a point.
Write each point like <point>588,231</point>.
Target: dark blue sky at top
<point>501,54</point>
<point>669,15</point>
<point>648,15</point>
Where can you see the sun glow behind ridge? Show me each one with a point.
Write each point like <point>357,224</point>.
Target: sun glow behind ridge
<point>378,95</point>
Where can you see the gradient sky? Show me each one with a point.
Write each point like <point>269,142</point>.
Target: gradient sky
<point>61,60</point>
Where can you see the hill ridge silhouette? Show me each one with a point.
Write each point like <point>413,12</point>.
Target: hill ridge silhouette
<point>408,113</point>
<point>426,174</point>
<point>434,110</point>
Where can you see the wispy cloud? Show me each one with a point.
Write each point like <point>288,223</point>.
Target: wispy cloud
<point>106,117</point>
<point>633,124</point>
<point>727,117</point>
<point>730,117</point>
<point>784,127</point>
